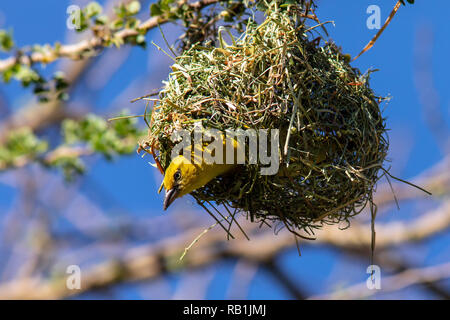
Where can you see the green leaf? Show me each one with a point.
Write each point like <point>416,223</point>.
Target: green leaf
<point>93,9</point>
<point>117,41</point>
<point>70,129</point>
<point>117,24</point>
<point>21,143</point>
<point>83,23</point>
<point>61,84</point>
<point>121,11</point>
<point>9,73</point>
<point>71,166</point>
<point>43,99</point>
<point>63,96</point>
<point>134,7</point>
<point>101,20</point>
<point>27,75</point>
<point>6,40</point>
<point>155,10</point>
<point>40,89</point>
<point>287,3</point>
<point>133,23</point>
<point>165,6</point>
<point>140,39</point>
<point>59,75</point>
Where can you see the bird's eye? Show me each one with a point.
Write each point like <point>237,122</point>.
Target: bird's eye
<point>177,176</point>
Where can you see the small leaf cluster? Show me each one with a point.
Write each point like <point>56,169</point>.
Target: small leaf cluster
<point>22,73</point>
<point>89,16</point>
<point>126,15</point>
<point>163,7</point>
<point>101,137</point>
<point>118,138</point>
<point>6,40</point>
<point>108,32</point>
<point>20,145</point>
<point>70,165</point>
<point>126,19</point>
<point>93,134</point>
<point>42,88</point>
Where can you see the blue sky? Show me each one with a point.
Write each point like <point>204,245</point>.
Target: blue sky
<point>132,183</point>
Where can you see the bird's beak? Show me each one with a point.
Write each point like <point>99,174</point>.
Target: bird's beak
<point>171,195</point>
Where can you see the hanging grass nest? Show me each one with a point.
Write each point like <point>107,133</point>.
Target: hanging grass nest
<point>278,75</point>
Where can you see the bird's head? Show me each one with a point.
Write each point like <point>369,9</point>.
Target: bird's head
<point>180,178</point>
<point>183,176</point>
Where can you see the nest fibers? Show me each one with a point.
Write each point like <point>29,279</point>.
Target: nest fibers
<point>332,133</point>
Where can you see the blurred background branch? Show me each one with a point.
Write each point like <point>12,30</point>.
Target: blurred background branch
<point>109,221</point>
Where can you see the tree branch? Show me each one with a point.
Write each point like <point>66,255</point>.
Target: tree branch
<point>73,51</point>
<point>396,282</point>
<point>284,280</point>
<point>152,261</point>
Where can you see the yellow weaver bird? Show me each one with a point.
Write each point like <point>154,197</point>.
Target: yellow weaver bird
<point>184,176</point>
